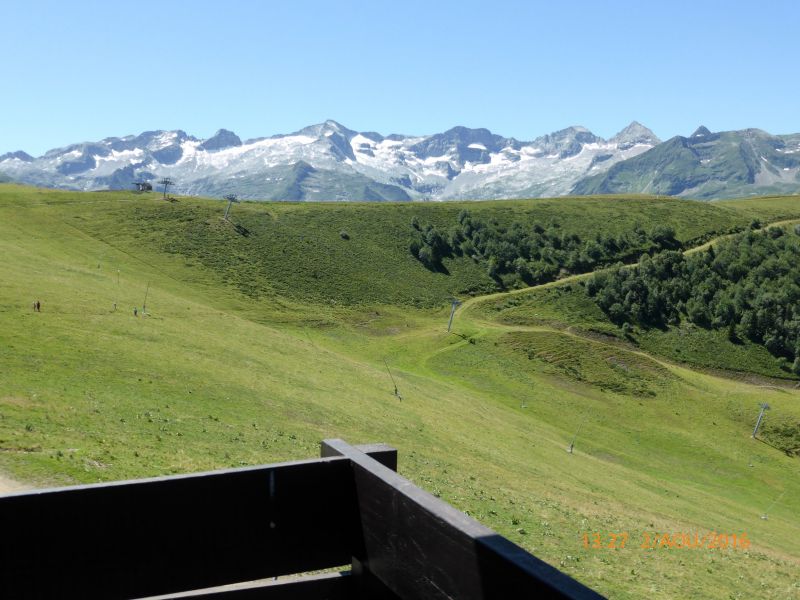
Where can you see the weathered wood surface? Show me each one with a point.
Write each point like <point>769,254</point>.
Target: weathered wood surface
<point>421,547</point>
<point>178,535</point>
<point>141,538</point>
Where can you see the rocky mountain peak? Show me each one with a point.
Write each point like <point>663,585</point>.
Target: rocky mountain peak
<point>327,129</point>
<point>566,142</point>
<point>461,144</point>
<point>633,134</point>
<point>221,140</point>
<point>19,155</point>
<point>701,131</point>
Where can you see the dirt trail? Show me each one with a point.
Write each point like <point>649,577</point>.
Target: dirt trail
<point>471,302</point>
<point>716,240</point>
<point>8,485</point>
<point>467,310</point>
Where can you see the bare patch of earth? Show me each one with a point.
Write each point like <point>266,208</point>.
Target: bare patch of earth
<point>8,485</point>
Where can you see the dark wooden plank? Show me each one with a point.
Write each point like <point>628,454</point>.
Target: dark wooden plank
<point>421,547</point>
<point>365,585</point>
<point>329,586</point>
<point>139,538</point>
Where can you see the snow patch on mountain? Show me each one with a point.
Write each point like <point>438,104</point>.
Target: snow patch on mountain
<point>458,163</point>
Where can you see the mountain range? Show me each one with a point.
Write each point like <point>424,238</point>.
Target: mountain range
<point>328,161</point>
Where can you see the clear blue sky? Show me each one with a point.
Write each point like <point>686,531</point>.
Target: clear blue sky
<point>84,70</point>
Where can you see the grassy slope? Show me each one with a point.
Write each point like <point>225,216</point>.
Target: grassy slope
<point>214,378</point>
<point>296,251</point>
<point>686,343</point>
<point>562,306</point>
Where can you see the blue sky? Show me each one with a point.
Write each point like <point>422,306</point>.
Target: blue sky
<point>75,71</point>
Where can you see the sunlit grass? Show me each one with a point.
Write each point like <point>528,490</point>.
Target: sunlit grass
<point>217,376</point>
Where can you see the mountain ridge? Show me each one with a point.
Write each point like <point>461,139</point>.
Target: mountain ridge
<point>459,163</point>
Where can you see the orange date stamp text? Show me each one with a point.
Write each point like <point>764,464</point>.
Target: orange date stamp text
<point>656,541</point>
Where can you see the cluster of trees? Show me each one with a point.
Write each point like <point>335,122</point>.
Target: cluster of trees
<point>533,254</point>
<point>748,285</point>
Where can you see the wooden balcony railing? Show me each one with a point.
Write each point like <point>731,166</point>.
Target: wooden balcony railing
<point>227,534</point>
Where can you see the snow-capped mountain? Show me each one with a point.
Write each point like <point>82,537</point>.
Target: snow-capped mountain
<point>331,162</point>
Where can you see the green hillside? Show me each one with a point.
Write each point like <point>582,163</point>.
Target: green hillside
<point>298,251</point>
<point>730,306</point>
<point>705,165</point>
<point>268,334</point>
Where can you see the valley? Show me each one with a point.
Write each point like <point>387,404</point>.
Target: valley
<point>268,333</point>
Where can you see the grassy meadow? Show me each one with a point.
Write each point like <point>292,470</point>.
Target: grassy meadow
<point>260,340</point>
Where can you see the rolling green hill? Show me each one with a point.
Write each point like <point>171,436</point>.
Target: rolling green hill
<point>262,339</point>
<point>292,251</point>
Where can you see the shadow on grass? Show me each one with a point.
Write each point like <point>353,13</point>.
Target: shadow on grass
<point>786,451</point>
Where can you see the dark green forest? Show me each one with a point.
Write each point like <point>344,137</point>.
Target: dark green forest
<point>748,285</point>
<point>518,254</point>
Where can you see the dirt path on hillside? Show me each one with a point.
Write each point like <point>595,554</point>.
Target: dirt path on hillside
<point>467,310</point>
<point>8,485</point>
<point>717,240</point>
<point>471,302</point>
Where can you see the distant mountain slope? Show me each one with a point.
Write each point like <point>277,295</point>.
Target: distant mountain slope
<point>328,161</point>
<point>302,182</point>
<point>706,165</point>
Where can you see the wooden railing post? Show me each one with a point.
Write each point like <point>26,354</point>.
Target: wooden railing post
<point>365,585</point>
<point>418,546</point>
